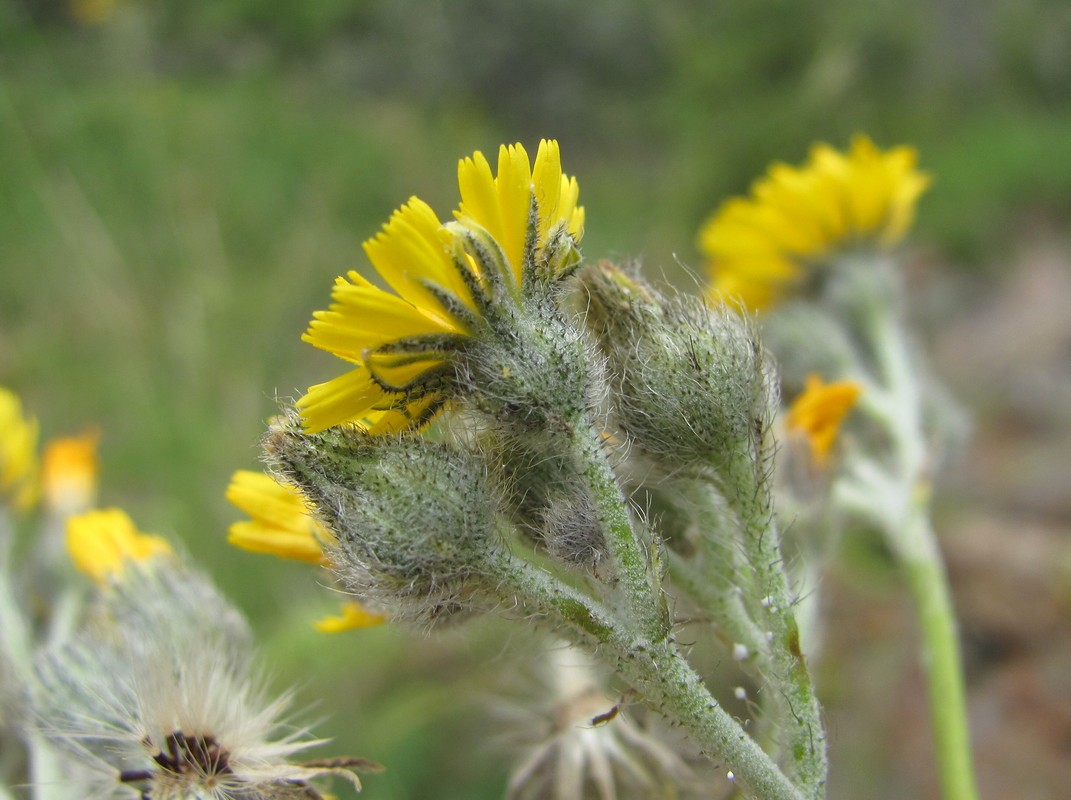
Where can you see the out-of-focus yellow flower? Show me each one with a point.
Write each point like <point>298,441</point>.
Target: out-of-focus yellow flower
<point>101,541</point>
<point>18,453</point>
<point>92,12</point>
<point>281,521</point>
<point>760,247</point>
<point>70,470</point>
<point>401,342</point>
<point>819,411</point>
<point>282,524</point>
<point>354,616</point>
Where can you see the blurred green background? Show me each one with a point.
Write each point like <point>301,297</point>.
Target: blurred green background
<point>181,182</point>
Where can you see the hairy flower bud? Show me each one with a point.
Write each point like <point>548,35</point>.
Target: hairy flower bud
<point>690,386</point>
<point>546,495</point>
<point>415,521</point>
<point>537,368</point>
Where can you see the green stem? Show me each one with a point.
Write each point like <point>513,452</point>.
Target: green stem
<point>725,606</point>
<point>627,550</point>
<point>940,655</point>
<point>774,612</point>
<point>900,504</point>
<point>658,670</point>
<point>807,740</point>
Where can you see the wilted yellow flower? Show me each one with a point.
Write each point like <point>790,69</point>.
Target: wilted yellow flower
<point>819,411</point>
<point>281,521</point>
<point>18,453</point>
<point>761,246</point>
<point>354,616</point>
<point>101,541</point>
<point>400,342</point>
<point>69,472</point>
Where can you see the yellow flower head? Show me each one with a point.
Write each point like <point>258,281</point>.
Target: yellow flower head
<point>69,472</point>
<point>18,453</point>
<point>447,280</point>
<point>759,247</point>
<point>818,412</point>
<point>101,542</point>
<point>281,523</point>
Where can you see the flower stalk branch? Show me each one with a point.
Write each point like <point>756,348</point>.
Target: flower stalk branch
<point>896,496</point>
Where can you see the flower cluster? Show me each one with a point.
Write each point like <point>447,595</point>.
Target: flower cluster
<point>525,434</point>
<point>561,392</point>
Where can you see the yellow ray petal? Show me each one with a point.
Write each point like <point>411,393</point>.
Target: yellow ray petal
<point>819,411</point>
<point>19,471</point>
<point>354,616</point>
<point>101,542</point>
<point>343,399</point>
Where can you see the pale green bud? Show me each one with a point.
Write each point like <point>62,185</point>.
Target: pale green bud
<point>690,386</point>
<point>414,520</point>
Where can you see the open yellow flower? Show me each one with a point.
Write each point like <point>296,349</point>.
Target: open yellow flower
<point>818,412</point>
<point>503,205</point>
<point>18,453</point>
<point>101,542</point>
<point>760,247</point>
<point>447,280</point>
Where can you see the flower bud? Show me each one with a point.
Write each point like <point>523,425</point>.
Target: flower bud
<point>536,369</point>
<point>546,495</point>
<point>414,520</point>
<point>690,386</point>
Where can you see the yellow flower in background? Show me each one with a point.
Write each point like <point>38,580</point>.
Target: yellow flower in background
<point>92,12</point>
<point>819,411</point>
<point>281,524</point>
<point>280,521</point>
<point>760,247</point>
<point>400,341</point>
<point>18,453</point>
<point>353,617</point>
<point>70,470</point>
<point>100,542</point>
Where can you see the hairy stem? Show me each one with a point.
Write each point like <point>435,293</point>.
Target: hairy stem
<point>659,672</point>
<point>636,584</point>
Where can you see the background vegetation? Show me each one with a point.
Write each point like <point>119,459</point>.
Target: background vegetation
<point>180,183</point>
